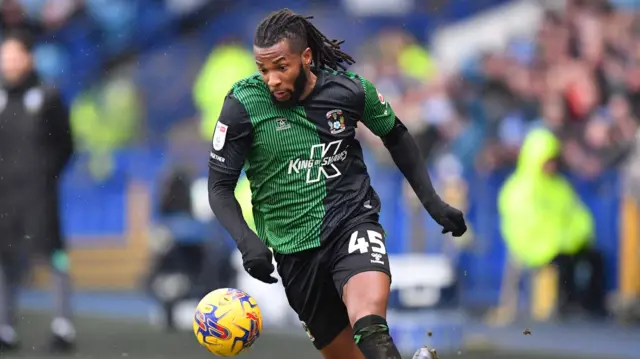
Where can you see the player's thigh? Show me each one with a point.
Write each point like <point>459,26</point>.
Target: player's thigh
<point>311,294</point>
<point>361,271</point>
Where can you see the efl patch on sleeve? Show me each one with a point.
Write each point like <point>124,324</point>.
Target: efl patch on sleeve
<point>219,136</point>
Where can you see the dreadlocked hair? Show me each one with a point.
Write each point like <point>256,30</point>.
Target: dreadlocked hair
<point>285,24</point>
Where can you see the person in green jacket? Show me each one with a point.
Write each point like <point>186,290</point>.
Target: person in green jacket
<point>227,64</point>
<point>543,220</point>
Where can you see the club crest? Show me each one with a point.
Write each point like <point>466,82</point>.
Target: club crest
<point>335,119</point>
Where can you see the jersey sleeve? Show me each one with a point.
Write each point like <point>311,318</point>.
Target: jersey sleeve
<point>231,141</point>
<point>377,114</point>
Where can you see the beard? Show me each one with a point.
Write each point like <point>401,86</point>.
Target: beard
<point>299,84</point>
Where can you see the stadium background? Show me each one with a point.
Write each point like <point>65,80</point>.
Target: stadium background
<point>128,69</point>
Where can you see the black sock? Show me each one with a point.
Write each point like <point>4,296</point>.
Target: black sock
<point>371,334</point>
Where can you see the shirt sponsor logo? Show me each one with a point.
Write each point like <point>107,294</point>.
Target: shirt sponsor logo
<point>321,162</point>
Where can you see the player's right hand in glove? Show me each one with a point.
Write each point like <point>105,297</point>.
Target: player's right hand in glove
<point>257,259</point>
<point>451,219</point>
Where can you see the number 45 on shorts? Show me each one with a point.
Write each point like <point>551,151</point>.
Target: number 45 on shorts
<point>372,243</point>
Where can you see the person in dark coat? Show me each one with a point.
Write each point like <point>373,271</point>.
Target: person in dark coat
<point>35,146</point>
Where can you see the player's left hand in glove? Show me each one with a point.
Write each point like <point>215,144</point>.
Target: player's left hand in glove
<point>257,260</point>
<point>451,219</point>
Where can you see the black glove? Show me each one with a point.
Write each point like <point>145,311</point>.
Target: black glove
<point>257,259</point>
<point>451,219</point>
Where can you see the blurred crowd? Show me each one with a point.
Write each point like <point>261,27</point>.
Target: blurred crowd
<point>84,36</point>
<point>579,76</point>
<point>112,17</point>
<point>38,15</point>
<point>110,20</point>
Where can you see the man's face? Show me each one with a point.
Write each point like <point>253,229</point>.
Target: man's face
<point>15,61</point>
<point>284,71</point>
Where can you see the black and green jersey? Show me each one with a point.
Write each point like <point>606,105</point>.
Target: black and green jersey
<point>306,169</point>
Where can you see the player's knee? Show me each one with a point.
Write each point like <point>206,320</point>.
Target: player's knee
<point>369,326</point>
<point>371,334</point>
<point>366,294</point>
<point>373,305</point>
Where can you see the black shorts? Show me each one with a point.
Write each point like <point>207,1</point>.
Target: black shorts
<point>313,279</point>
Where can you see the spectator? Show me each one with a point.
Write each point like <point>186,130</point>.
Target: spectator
<point>227,63</point>
<point>542,220</point>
